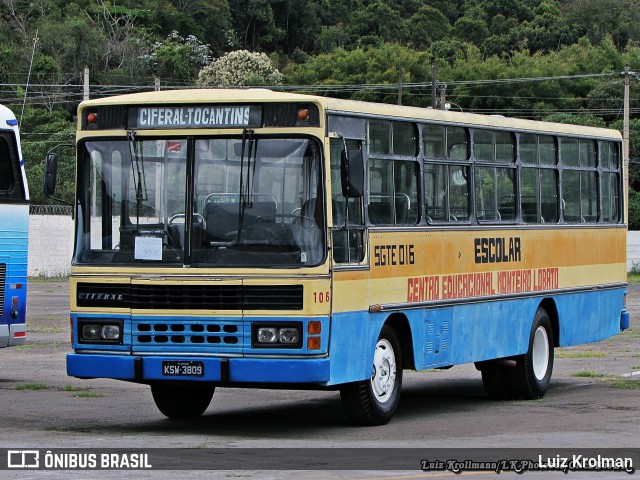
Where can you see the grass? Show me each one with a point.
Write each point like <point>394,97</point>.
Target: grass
<point>71,388</point>
<point>588,374</point>
<point>30,345</point>
<point>88,395</point>
<point>561,354</point>
<point>79,392</point>
<point>633,277</point>
<point>82,392</point>
<point>45,278</point>
<point>626,384</point>
<point>32,386</point>
<point>46,329</point>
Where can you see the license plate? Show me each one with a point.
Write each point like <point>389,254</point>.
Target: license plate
<point>183,369</point>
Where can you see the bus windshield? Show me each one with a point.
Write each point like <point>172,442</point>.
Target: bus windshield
<point>247,201</point>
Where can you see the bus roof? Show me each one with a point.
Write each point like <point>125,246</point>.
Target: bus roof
<point>7,118</point>
<point>338,106</point>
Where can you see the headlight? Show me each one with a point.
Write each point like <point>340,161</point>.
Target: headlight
<point>285,335</point>
<point>288,335</point>
<point>91,331</point>
<point>110,332</point>
<point>267,335</point>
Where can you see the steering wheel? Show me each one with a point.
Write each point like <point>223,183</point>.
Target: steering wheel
<point>302,220</point>
<point>199,217</point>
<point>262,235</point>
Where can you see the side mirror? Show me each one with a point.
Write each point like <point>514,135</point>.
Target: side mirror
<point>352,170</point>
<point>50,174</point>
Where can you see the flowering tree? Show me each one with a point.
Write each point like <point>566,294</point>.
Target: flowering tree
<point>178,58</point>
<point>240,68</point>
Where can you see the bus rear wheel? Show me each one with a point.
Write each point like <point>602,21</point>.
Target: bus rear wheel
<point>526,376</point>
<point>182,401</point>
<point>531,376</point>
<point>374,401</point>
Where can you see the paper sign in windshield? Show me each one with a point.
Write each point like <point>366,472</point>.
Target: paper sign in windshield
<point>148,248</point>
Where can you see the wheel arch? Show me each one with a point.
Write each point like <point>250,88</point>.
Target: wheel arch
<point>549,305</point>
<point>400,324</point>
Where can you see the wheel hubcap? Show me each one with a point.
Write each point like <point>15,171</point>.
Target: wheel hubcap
<point>540,353</point>
<point>383,378</point>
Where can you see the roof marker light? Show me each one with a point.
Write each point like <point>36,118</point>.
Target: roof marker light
<point>303,114</point>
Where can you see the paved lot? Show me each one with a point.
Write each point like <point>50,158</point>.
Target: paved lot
<point>43,408</point>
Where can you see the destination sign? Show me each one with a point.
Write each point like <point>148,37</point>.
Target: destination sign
<point>192,116</point>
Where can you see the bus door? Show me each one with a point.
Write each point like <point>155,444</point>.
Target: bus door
<point>348,237</point>
<point>347,136</point>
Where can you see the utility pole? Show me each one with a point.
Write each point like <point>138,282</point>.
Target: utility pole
<point>625,134</point>
<point>400,86</point>
<point>443,95</point>
<point>85,84</point>
<point>433,82</point>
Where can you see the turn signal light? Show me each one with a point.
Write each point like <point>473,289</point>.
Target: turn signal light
<point>313,343</point>
<point>314,327</point>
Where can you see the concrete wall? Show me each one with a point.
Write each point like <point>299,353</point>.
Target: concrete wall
<point>633,251</point>
<point>51,246</point>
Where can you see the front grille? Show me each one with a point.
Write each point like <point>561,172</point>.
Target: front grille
<point>3,276</point>
<point>191,297</point>
<point>273,297</point>
<point>187,333</point>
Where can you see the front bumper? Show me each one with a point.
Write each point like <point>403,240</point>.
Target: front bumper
<point>141,368</point>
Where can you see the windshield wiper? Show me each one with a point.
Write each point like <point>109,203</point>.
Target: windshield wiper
<point>137,168</point>
<point>246,189</point>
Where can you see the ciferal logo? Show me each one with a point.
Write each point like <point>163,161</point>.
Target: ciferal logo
<point>116,297</point>
<point>23,459</point>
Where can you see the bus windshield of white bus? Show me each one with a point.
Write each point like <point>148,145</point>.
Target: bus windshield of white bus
<point>249,201</point>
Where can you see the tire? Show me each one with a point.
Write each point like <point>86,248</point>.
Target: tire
<point>182,401</point>
<point>374,401</point>
<point>531,376</point>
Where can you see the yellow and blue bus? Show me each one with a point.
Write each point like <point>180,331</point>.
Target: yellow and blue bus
<point>251,238</point>
<point>14,231</point>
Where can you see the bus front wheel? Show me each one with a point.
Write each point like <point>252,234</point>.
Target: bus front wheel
<point>182,401</point>
<point>374,401</point>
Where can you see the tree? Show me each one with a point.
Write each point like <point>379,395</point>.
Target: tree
<point>471,29</point>
<point>380,21</point>
<point>371,65</point>
<point>428,25</point>
<point>255,23</point>
<point>240,68</point>
<point>634,156</point>
<point>179,59</point>
<point>41,131</point>
<point>586,120</point>
<point>634,210</point>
